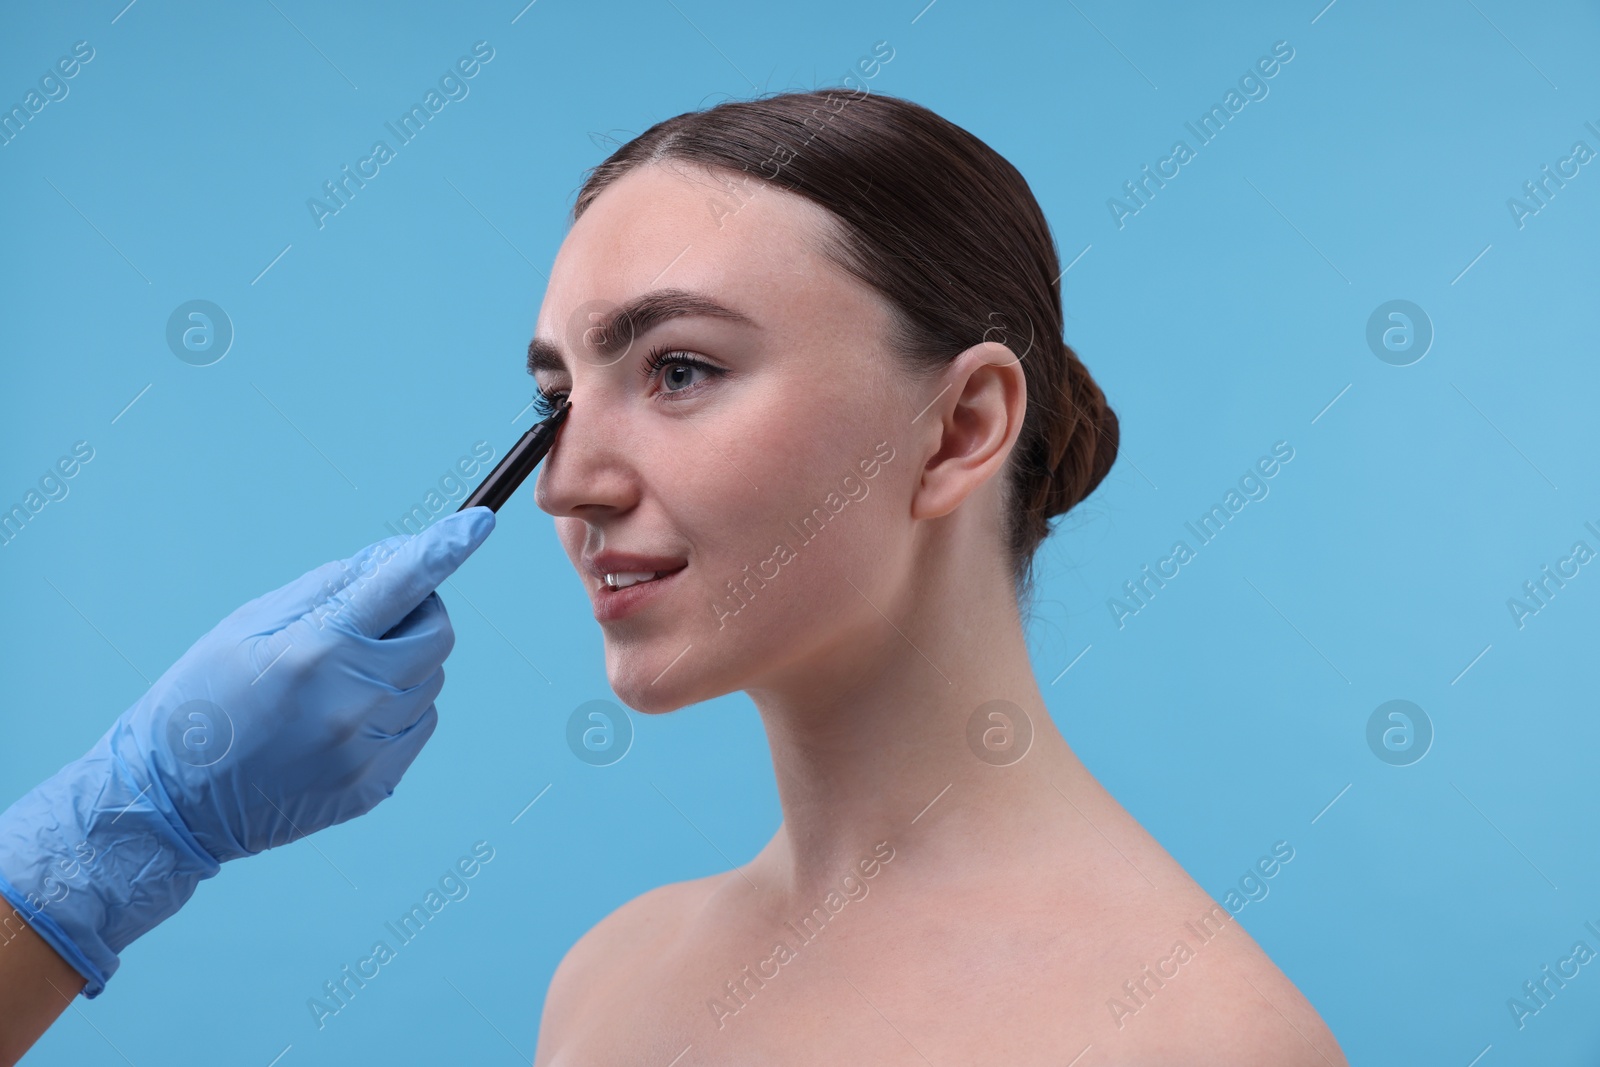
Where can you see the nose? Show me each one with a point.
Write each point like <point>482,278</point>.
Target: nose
<point>588,472</point>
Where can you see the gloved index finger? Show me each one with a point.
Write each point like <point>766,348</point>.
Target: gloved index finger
<point>393,576</point>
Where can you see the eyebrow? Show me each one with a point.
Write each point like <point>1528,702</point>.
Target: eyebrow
<point>635,319</point>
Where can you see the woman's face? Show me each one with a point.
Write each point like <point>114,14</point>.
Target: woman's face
<point>768,470</point>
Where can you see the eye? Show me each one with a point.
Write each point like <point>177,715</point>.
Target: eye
<point>679,376</point>
<point>545,404</point>
<point>680,372</point>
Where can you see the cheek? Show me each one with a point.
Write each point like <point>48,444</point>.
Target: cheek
<point>779,552</point>
<point>746,490</point>
<point>730,474</point>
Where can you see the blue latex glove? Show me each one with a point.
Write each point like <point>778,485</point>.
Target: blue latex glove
<point>300,710</point>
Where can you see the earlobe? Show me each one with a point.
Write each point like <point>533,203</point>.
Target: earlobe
<point>971,428</point>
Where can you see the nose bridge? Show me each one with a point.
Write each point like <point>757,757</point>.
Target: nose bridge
<point>586,466</point>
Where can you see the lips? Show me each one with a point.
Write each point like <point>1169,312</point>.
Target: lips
<point>622,583</point>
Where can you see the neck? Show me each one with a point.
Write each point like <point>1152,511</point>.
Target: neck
<point>870,738</point>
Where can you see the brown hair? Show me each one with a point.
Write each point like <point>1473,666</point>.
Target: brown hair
<point>946,230</point>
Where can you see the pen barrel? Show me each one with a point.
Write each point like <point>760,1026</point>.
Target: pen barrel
<point>509,473</point>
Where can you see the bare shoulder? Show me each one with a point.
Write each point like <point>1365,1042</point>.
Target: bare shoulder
<point>1168,975</point>
<point>1217,997</point>
<point>642,926</point>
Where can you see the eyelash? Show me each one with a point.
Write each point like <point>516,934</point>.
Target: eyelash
<point>658,358</point>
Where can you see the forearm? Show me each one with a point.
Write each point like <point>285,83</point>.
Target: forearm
<point>36,985</point>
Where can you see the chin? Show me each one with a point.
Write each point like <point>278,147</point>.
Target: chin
<point>636,678</point>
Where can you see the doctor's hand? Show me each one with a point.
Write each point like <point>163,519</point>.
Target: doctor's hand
<point>299,711</point>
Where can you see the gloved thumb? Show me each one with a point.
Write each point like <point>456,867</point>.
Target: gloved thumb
<point>392,579</point>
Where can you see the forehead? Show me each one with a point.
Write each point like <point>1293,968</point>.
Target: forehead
<point>751,245</point>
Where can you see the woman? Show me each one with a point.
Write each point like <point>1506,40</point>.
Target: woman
<point>821,417</point>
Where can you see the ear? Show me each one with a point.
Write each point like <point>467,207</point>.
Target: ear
<point>968,430</point>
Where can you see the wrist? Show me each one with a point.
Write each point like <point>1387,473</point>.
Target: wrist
<point>18,907</point>
<point>96,856</point>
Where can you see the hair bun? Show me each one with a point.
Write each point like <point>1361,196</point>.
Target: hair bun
<point>1083,440</point>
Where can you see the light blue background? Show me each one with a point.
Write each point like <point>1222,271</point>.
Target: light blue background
<point>1222,318</point>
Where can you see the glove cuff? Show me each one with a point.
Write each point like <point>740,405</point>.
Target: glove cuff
<point>95,856</point>
<point>94,974</point>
